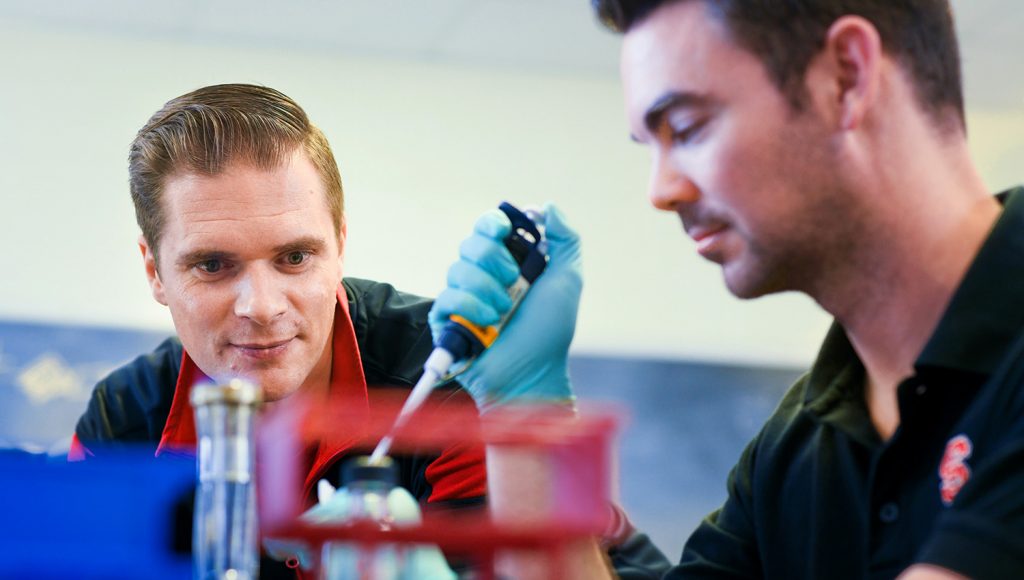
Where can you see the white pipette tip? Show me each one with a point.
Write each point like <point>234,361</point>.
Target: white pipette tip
<point>381,450</point>
<point>437,364</point>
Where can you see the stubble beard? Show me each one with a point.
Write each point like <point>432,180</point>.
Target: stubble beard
<point>816,253</point>
<point>757,273</point>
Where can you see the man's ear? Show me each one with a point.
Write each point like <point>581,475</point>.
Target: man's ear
<point>152,272</point>
<point>847,72</point>
<point>342,236</point>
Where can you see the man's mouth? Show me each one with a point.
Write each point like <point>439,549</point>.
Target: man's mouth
<point>708,238</point>
<point>262,350</point>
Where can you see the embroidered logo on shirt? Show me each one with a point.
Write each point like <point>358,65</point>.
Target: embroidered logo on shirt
<point>953,469</point>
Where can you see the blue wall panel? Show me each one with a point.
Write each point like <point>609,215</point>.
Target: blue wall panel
<point>47,373</point>
<point>687,424</point>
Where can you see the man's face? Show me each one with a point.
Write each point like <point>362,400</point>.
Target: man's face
<point>249,266</point>
<point>749,177</point>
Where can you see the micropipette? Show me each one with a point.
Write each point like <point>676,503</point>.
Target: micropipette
<point>461,340</point>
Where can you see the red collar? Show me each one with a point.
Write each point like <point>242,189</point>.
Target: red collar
<point>347,383</point>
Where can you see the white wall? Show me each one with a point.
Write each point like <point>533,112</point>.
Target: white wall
<point>422,148</point>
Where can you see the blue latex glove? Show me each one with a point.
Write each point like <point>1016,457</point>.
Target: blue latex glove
<point>419,561</point>
<point>528,363</point>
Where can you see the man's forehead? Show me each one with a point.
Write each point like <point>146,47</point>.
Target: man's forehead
<point>244,181</point>
<point>246,202</point>
<point>669,52</point>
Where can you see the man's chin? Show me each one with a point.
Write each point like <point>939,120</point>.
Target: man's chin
<point>745,284</point>
<point>272,388</point>
<point>749,284</point>
<point>275,390</point>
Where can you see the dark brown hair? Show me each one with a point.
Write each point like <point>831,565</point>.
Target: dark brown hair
<point>786,34</point>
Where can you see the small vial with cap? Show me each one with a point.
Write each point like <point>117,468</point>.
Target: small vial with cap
<point>363,496</point>
<point>225,532</point>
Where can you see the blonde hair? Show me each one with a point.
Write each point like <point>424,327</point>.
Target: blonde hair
<point>204,131</point>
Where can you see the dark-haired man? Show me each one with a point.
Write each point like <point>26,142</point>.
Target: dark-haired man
<point>819,146</point>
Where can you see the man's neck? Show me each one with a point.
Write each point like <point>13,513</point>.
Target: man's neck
<point>891,306</point>
<point>318,383</point>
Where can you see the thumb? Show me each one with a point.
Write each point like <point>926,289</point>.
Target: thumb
<point>403,506</point>
<point>557,231</point>
<point>563,241</point>
<point>555,226</point>
<point>336,509</point>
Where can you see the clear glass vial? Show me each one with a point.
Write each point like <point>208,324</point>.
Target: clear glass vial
<point>225,533</point>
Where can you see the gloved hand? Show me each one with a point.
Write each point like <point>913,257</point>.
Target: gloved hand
<point>528,363</point>
<point>420,561</point>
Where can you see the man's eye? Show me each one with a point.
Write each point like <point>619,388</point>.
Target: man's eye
<point>210,266</point>
<point>686,134</point>
<point>296,258</point>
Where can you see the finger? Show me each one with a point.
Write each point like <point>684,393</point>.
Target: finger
<point>493,224</point>
<point>563,241</point>
<point>403,506</point>
<point>492,257</point>
<point>555,225</point>
<point>428,563</point>
<point>335,509</point>
<point>474,279</point>
<point>281,549</point>
<point>465,304</point>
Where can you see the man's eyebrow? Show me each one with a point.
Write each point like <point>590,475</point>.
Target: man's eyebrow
<point>303,244</point>
<point>201,255</point>
<point>655,114</point>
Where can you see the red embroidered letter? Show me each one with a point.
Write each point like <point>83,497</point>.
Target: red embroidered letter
<point>953,469</point>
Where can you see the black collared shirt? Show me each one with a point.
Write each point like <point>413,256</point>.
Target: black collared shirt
<point>817,494</point>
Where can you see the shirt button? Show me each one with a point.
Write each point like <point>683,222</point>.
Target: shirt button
<point>921,389</point>
<point>889,513</point>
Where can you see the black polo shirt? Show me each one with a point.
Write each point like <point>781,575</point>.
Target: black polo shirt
<point>818,494</point>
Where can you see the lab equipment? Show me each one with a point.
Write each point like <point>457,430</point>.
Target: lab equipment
<point>573,459</point>
<point>365,495</point>
<point>225,534</point>
<point>120,516</point>
<point>528,364</point>
<point>461,340</point>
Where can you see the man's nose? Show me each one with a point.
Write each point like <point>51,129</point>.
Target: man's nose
<point>260,298</point>
<point>669,186</point>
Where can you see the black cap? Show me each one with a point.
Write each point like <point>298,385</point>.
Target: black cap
<point>360,469</point>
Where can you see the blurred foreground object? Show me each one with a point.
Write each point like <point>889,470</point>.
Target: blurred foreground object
<point>572,451</point>
<point>224,541</point>
<point>124,516</point>
<point>363,497</point>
